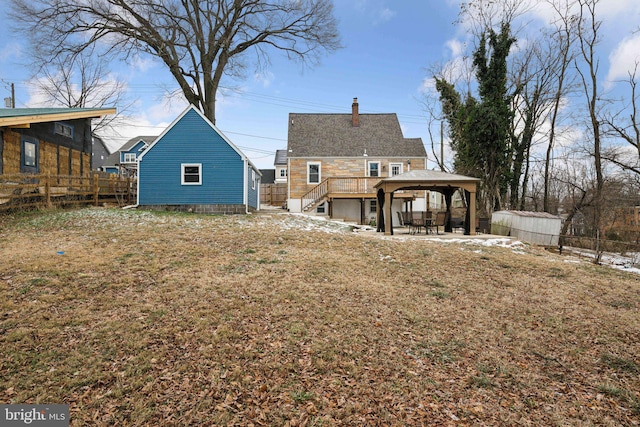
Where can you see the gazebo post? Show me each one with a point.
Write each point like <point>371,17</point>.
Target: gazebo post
<point>472,213</point>
<point>388,197</point>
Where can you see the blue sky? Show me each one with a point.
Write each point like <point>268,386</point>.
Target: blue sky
<point>388,47</point>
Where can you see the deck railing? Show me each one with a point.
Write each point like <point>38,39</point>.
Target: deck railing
<point>338,186</point>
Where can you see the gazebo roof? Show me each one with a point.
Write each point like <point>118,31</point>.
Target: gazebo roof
<point>423,179</point>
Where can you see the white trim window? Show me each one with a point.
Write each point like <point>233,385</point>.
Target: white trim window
<point>373,169</point>
<point>314,172</point>
<point>129,157</point>
<point>395,169</point>
<point>191,174</point>
<point>253,179</point>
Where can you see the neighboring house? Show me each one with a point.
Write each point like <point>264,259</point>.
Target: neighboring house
<point>124,161</point>
<point>335,160</point>
<point>52,141</point>
<point>193,166</point>
<point>99,153</point>
<point>268,176</point>
<point>280,162</point>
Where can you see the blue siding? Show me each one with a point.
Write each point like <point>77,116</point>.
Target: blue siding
<point>191,140</point>
<point>253,192</point>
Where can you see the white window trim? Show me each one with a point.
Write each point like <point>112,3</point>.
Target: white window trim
<point>185,165</point>
<point>319,172</point>
<point>391,165</point>
<point>369,168</point>
<point>129,155</point>
<point>253,179</point>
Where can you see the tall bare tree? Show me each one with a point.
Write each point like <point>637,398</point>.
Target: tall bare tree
<point>627,129</point>
<point>588,67</point>
<point>82,80</point>
<point>560,59</point>
<point>199,41</point>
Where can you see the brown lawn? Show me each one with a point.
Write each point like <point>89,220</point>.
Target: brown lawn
<point>173,319</point>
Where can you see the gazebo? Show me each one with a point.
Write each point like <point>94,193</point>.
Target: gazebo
<point>442,182</point>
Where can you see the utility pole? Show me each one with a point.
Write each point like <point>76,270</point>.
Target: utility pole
<point>13,96</point>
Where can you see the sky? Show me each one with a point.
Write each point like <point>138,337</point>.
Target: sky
<point>389,46</point>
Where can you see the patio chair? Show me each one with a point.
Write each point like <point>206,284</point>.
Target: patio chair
<point>441,220</point>
<point>428,221</point>
<point>416,222</point>
<point>457,223</point>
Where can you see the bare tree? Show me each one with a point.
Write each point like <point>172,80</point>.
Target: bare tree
<point>561,56</point>
<point>82,80</point>
<point>626,129</point>
<point>199,41</point>
<point>588,38</point>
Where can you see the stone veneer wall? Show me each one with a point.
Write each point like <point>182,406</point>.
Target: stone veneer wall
<point>340,167</point>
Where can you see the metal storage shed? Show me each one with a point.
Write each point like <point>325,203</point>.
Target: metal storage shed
<point>540,228</point>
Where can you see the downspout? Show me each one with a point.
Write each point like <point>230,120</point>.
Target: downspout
<point>246,185</point>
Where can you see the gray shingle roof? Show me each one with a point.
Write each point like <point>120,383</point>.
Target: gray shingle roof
<point>114,158</point>
<point>281,157</point>
<point>333,135</point>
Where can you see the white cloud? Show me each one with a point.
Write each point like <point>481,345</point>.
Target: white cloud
<point>264,78</point>
<point>10,51</point>
<point>456,47</point>
<point>375,10</point>
<point>623,59</point>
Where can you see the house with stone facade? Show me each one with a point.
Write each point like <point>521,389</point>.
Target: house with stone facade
<point>334,162</point>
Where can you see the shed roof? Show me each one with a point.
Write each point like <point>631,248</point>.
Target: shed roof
<point>25,116</point>
<point>529,214</point>
<point>334,135</point>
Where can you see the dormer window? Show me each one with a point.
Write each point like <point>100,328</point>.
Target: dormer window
<point>129,157</point>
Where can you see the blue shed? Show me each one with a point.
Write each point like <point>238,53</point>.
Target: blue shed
<point>192,166</point>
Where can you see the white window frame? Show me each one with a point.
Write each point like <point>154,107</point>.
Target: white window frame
<point>128,156</point>
<point>253,179</point>
<point>377,162</point>
<point>183,167</point>
<point>30,154</point>
<point>283,173</point>
<point>322,208</point>
<point>392,165</point>
<point>309,164</point>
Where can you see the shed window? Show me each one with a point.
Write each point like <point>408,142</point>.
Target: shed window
<point>191,174</point>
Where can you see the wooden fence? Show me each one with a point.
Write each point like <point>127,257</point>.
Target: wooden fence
<point>22,192</point>
<point>273,194</point>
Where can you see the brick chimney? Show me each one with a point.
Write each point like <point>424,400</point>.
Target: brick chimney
<point>355,118</point>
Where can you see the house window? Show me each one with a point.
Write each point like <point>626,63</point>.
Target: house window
<point>313,173</point>
<point>191,174</point>
<point>373,206</point>
<point>283,173</point>
<point>253,179</point>
<point>322,208</point>
<point>64,130</point>
<point>396,168</point>
<point>129,157</point>
<point>374,168</point>
<point>30,154</point>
